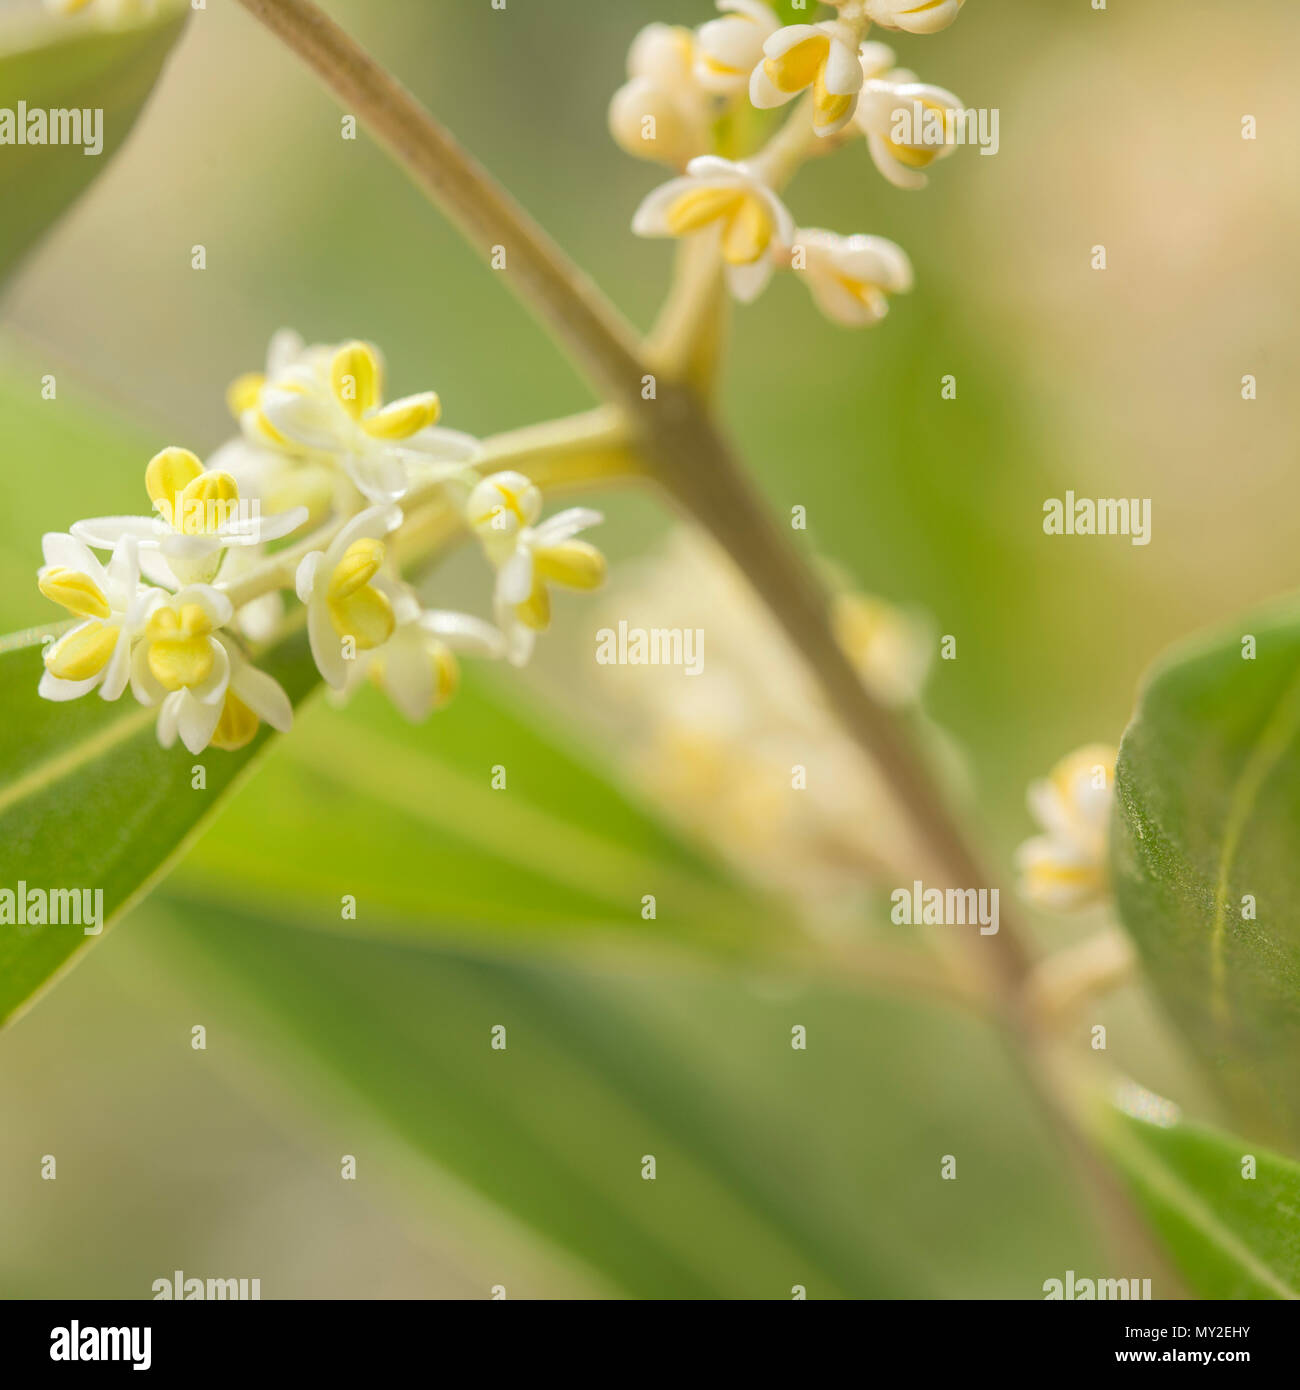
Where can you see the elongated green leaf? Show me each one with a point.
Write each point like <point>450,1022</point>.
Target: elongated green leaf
<point>62,64</point>
<point>89,801</point>
<point>1206,858</point>
<point>483,822</point>
<point>775,1166</point>
<point>1232,1228</point>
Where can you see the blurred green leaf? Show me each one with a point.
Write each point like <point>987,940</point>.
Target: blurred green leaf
<point>88,800</point>
<point>774,1166</point>
<point>56,64</point>
<point>1230,1236</point>
<point>407,821</point>
<point>1206,871</point>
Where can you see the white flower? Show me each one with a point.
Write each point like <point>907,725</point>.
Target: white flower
<point>821,56</point>
<point>501,511</point>
<point>908,125</point>
<point>726,200</point>
<point>279,481</point>
<point>728,49</point>
<point>417,668</point>
<point>1067,866</point>
<point>915,16</point>
<point>199,515</point>
<point>851,277</point>
<point>183,667</point>
<point>346,612</point>
<point>114,605</point>
<point>661,112</point>
<point>339,411</point>
<point>251,697</point>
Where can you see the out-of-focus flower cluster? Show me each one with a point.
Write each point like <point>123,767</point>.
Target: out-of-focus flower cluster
<point>740,748</point>
<point>687,89</point>
<point>172,611</point>
<point>1067,866</point>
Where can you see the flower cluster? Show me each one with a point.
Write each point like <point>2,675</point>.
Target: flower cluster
<point>172,611</point>
<point>683,86</point>
<point>1066,867</point>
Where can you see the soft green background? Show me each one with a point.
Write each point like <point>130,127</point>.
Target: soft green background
<point>775,1168</point>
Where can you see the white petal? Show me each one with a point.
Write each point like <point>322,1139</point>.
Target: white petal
<point>435,442</point>
<point>260,619</point>
<point>515,579</point>
<point>843,73</point>
<point>123,574</point>
<point>70,553</point>
<point>52,688</point>
<point>197,722</point>
<point>900,175</point>
<point>564,524</point>
<point>408,675</point>
<point>104,532</point>
<point>787,38</point>
<point>304,416</point>
<point>747,282</point>
<point>267,528</point>
<point>117,672</point>
<point>764,93</point>
<point>264,695</point>
<point>169,718</point>
<point>326,649</point>
<point>305,578</point>
<point>372,524</point>
<point>651,218</point>
<point>464,632</point>
<point>144,686</point>
<point>156,569</point>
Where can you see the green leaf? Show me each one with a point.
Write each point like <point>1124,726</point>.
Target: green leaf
<point>1231,1236</point>
<point>407,820</point>
<point>88,800</point>
<point>775,1166</point>
<point>1206,868</point>
<point>61,63</point>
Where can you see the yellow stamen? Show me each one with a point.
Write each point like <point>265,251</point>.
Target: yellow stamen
<point>828,106</point>
<point>180,652</point>
<point>698,207</point>
<point>748,233</point>
<point>355,375</point>
<point>509,503</point>
<point>365,615</point>
<point>237,726</point>
<point>76,592</point>
<point>747,226</point>
<point>83,652</point>
<point>206,504</point>
<point>535,610</point>
<point>912,156</point>
<point>403,418</point>
<point>446,675</point>
<point>575,564</point>
<point>167,475</point>
<point>799,66</point>
<point>360,563</point>
<point>356,608</point>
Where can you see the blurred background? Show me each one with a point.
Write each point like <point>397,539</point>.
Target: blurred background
<point>371,1038</point>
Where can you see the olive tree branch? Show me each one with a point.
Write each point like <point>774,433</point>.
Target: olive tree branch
<point>687,455</point>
